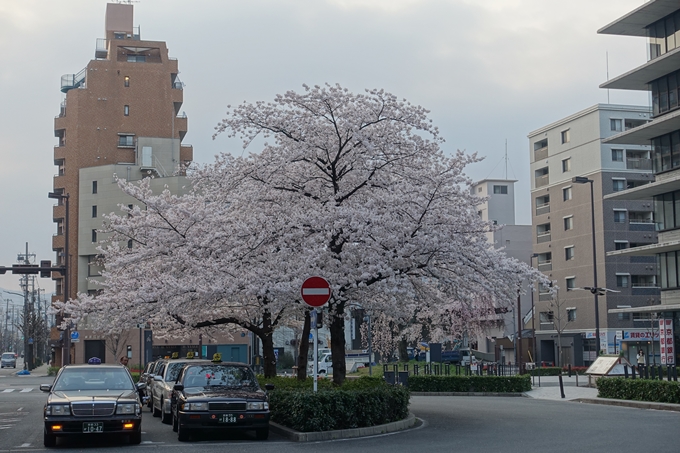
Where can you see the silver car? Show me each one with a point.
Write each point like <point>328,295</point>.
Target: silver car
<point>8,360</point>
<point>162,384</point>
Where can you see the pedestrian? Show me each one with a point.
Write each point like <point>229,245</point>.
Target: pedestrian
<point>124,361</point>
<point>640,360</point>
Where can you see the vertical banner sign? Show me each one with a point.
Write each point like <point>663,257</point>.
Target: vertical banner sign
<point>148,346</point>
<point>666,341</point>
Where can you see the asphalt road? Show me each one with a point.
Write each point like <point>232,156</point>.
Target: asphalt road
<point>466,424</point>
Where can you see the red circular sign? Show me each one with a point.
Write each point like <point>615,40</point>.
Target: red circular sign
<point>315,291</point>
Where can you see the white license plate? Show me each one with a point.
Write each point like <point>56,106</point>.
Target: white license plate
<point>93,427</point>
<point>227,418</point>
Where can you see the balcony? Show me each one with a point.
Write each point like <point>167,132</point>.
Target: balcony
<point>542,180</point>
<point>543,209</point>
<point>101,49</point>
<point>58,242</point>
<point>59,153</point>
<point>71,81</point>
<point>543,237</point>
<point>58,212</point>
<point>59,182</point>
<point>545,266</point>
<point>639,164</point>
<point>541,153</point>
<point>186,153</point>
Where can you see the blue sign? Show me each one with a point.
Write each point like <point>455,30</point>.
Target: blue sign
<point>30,341</point>
<point>276,354</point>
<point>75,335</point>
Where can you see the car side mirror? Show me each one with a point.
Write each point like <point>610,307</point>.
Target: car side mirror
<point>141,386</point>
<point>158,378</point>
<point>178,387</point>
<point>45,387</point>
<point>269,386</point>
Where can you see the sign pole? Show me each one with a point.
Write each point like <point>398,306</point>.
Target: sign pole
<point>316,350</point>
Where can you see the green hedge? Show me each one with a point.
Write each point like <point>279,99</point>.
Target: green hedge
<point>495,384</point>
<point>329,409</point>
<point>639,390</point>
<point>546,371</point>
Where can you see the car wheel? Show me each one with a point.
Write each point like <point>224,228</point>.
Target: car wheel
<point>49,440</point>
<point>174,423</point>
<point>156,412</point>
<point>262,433</point>
<point>150,404</point>
<point>165,418</point>
<point>136,438</point>
<point>182,433</point>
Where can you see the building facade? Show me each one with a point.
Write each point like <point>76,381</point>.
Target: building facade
<point>120,119</point>
<point>500,334</point>
<point>659,22</point>
<point>563,232</point>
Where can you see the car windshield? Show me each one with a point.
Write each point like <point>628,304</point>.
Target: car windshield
<point>7,355</point>
<point>94,379</point>
<point>173,370</point>
<point>219,375</point>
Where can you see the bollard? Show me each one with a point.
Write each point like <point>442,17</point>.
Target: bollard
<point>447,369</point>
<point>632,370</point>
<point>675,373</point>
<point>416,369</point>
<point>385,368</point>
<point>625,371</point>
<point>569,370</point>
<point>653,372</point>
<point>436,369</point>
<point>660,373</point>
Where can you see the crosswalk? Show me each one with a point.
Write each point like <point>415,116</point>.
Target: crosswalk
<point>23,390</point>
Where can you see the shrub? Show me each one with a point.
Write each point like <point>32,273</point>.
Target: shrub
<point>52,371</point>
<point>639,390</point>
<point>135,377</point>
<point>574,369</point>
<point>495,384</point>
<point>332,409</point>
<point>546,371</point>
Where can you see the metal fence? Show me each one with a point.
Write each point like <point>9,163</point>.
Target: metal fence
<point>398,374</point>
<point>658,372</point>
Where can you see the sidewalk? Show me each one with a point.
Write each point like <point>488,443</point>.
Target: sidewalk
<point>550,388</point>
<point>41,371</point>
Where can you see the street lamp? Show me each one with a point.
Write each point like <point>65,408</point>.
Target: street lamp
<point>584,180</point>
<point>66,350</point>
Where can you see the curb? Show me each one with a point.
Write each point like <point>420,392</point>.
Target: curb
<point>514,394</point>
<point>297,436</point>
<point>629,403</point>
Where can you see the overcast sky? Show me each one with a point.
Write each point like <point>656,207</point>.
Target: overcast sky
<point>488,70</point>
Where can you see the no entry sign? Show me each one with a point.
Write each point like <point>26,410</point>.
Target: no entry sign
<point>315,291</point>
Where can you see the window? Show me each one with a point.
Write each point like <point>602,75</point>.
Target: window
<point>94,235</point>
<point>620,245</point>
<point>624,316</point>
<point>566,193</point>
<point>126,140</point>
<point>568,223</point>
<point>94,186</point>
<point>617,155</point>
<point>571,314</point>
<point>616,124</point>
<point>132,58</point>
<point>500,190</point>
<point>569,253</point>
<point>130,244</point>
<point>479,189</point>
<point>546,317</point>
<point>570,283</point>
<point>618,185</point>
<point>126,81</point>
<point>126,110</point>
<point>622,281</point>
<point>619,216</point>
<point>94,212</point>
<point>566,165</point>
<point>565,136</point>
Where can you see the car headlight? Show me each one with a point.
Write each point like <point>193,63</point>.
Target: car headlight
<point>195,406</point>
<point>258,406</point>
<point>58,409</point>
<point>126,408</point>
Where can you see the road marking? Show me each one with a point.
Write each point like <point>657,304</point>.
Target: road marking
<point>24,445</point>
<point>8,391</point>
<point>20,409</point>
<point>25,390</point>
<point>5,426</point>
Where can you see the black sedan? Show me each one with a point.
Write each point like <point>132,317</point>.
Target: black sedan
<point>89,400</point>
<point>219,397</point>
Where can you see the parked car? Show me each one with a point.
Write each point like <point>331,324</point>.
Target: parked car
<point>162,384</point>
<point>86,400</point>
<point>154,369</point>
<point>9,359</point>
<point>218,396</point>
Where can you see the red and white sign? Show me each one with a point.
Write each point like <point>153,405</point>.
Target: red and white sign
<point>667,343</point>
<point>316,291</point>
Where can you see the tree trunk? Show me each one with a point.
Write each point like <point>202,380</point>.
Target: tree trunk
<point>337,328</point>
<point>403,352</point>
<point>303,351</point>
<point>268,356</point>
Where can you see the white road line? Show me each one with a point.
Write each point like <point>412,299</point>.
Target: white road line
<point>8,391</point>
<point>25,390</point>
<point>20,409</point>
<point>24,445</point>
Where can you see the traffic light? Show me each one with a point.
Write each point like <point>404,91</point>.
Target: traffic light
<point>319,319</point>
<point>44,273</point>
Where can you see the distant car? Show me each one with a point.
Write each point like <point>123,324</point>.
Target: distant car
<point>87,400</point>
<point>219,396</point>
<point>8,360</point>
<point>162,384</point>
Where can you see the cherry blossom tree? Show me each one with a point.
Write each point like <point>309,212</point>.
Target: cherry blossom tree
<point>353,187</point>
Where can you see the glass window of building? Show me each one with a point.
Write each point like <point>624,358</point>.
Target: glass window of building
<point>571,314</point>
<point>622,281</point>
<point>94,235</point>
<point>616,124</point>
<point>566,193</point>
<point>617,155</point>
<point>620,245</point>
<point>565,136</point>
<point>503,190</point>
<point>566,165</point>
<point>94,186</point>
<point>126,81</point>
<point>568,223</point>
<point>126,110</point>
<point>619,216</point>
<point>618,185</point>
<point>570,283</point>
<point>569,253</point>
<point>94,212</point>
